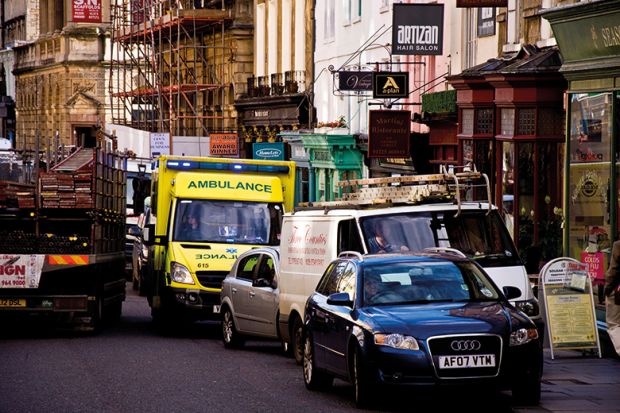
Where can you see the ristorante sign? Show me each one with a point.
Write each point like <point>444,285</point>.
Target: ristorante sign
<point>417,29</point>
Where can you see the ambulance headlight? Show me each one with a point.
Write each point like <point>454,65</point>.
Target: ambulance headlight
<point>180,273</point>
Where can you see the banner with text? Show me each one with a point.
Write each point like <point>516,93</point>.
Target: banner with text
<point>224,144</point>
<point>160,144</point>
<point>20,271</point>
<point>417,29</point>
<point>86,11</point>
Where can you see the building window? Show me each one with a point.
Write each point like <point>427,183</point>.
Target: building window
<point>508,122</point>
<point>484,121</point>
<point>357,10</point>
<point>512,22</point>
<point>330,20</point>
<point>346,11</point>
<point>467,127</point>
<point>526,124</point>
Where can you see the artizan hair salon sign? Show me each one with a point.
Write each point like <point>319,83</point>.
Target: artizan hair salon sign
<point>417,29</point>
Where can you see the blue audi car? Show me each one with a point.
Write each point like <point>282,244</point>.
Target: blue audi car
<point>418,319</point>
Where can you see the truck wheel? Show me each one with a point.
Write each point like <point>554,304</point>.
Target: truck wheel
<point>96,315</point>
<point>297,340</point>
<point>113,312</point>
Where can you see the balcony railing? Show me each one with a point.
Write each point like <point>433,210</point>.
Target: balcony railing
<point>276,84</point>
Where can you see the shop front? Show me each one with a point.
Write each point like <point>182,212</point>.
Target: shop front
<point>511,126</point>
<point>332,158</point>
<point>587,35</point>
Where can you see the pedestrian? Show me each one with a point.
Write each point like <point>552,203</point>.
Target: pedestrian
<point>612,294</point>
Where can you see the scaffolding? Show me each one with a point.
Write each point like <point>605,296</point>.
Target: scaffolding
<point>171,66</point>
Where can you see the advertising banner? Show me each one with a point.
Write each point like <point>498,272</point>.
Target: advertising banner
<point>86,11</point>
<point>390,85</point>
<point>20,271</point>
<point>569,305</point>
<point>417,29</point>
<point>596,266</point>
<point>357,81</point>
<point>160,144</point>
<point>388,133</point>
<point>271,151</point>
<point>224,144</point>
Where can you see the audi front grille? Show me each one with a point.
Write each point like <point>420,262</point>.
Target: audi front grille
<point>466,356</point>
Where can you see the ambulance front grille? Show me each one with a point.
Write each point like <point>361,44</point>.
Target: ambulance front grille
<point>211,279</point>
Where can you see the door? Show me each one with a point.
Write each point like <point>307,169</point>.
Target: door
<point>240,288</point>
<point>262,298</point>
<point>339,322</point>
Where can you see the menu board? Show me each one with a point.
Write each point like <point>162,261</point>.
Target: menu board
<point>569,305</point>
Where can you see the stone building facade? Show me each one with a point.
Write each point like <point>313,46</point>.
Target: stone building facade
<point>60,76</point>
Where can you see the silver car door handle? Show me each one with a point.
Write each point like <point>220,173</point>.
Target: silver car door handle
<point>252,293</point>
<point>234,290</point>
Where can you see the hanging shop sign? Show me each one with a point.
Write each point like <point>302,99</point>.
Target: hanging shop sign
<point>355,81</point>
<point>388,85</point>
<point>271,151</point>
<point>224,144</point>
<point>417,29</point>
<point>569,305</point>
<point>481,3</point>
<point>389,132</point>
<point>86,11</point>
<point>160,144</point>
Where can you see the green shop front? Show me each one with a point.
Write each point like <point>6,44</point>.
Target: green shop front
<point>587,35</point>
<point>331,158</point>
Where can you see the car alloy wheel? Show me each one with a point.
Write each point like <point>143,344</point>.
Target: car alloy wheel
<point>361,381</point>
<point>314,379</point>
<point>230,336</point>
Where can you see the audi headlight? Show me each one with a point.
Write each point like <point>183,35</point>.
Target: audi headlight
<point>529,307</point>
<point>523,336</point>
<point>180,273</point>
<point>397,341</point>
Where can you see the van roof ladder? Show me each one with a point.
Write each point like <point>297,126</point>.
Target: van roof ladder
<point>453,184</point>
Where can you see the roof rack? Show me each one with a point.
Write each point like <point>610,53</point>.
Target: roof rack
<point>446,250</point>
<point>345,254</point>
<point>452,184</point>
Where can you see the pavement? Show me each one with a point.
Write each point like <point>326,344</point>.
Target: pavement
<point>576,381</point>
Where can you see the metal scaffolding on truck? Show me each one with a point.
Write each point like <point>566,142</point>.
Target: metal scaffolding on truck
<point>171,66</point>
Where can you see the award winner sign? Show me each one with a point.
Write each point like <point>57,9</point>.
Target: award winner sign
<point>417,29</point>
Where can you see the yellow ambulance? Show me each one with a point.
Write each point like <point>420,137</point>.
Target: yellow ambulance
<point>207,212</point>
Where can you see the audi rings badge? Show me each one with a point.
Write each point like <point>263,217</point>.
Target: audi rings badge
<point>465,345</point>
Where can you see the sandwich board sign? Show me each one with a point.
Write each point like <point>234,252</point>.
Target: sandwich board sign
<point>569,305</point>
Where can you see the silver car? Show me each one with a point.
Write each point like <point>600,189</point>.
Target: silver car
<point>250,297</point>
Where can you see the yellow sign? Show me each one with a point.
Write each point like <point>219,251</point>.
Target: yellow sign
<point>569,305</point>
<point>571,320</point>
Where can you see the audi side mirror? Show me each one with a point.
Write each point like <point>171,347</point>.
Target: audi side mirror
<point>342,299</point>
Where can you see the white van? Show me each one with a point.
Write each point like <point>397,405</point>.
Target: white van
<point>419,213</point>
